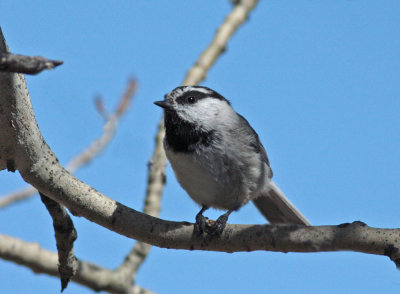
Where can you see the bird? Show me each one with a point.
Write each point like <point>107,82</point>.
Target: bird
<point>218,158</point>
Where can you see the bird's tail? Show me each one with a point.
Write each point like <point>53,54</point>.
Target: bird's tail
<point>278,209</point>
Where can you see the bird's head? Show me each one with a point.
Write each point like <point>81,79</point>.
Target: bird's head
<point>197,105</point>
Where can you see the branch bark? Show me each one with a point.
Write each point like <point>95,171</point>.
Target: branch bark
<point>26,64</point>
<point>66,235</point>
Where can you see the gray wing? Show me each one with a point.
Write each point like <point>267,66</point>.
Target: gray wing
<point>256,144</point>
<point>274,206</point>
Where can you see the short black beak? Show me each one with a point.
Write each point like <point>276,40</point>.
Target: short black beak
<point>164,104</point>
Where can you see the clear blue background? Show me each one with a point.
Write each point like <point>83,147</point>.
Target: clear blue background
<point>318,80</point>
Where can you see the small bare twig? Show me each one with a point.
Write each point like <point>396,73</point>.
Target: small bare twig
<point>101,109</point>
<point>232,22</point>
<point>66,235</point>
<point>90,152</point>
<point>110,128</point>
<point>16,196</point>
<point>26,64</point>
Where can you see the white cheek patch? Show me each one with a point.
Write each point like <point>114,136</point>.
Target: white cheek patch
<point>208,114</point>
<point>206,109</point>
<point>214,114</point>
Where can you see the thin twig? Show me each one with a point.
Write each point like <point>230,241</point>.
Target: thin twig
<point>110,128</point>
<point>17,196</point>
<point>232,22</point>
<point>88,154</point>
<point>26,64</point>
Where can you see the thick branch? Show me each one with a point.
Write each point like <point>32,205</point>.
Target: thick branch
<point>39,166</point>
<point>79,197</point>
<point>40,260</point>
<point>26,64</point>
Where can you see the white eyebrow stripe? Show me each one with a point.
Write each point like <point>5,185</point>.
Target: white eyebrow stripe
<point>202,90</point>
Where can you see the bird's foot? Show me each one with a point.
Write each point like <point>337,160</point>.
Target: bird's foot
<point>219,226</point>
<point>200,225</point>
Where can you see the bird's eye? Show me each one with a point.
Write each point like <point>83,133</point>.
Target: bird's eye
<point>191,99</point>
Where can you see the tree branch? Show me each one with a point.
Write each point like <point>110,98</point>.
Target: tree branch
<point>91,204</point>
<point>26,64</point>
<point>40,260</point>
<point>66,235</point>
<point>37,164</point>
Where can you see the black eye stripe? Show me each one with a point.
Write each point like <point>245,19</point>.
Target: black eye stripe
<point>191,97</point>
<point>197,95</point>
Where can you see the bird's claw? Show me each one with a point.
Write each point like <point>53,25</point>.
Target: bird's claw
<point>200,225</point>
<point>219,226</point>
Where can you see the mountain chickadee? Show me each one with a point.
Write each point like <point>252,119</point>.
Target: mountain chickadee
<point>218,158</point>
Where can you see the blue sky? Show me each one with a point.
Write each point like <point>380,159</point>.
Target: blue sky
<point>318,80</point>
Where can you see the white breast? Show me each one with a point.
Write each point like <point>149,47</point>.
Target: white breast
<point>210,178</point>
